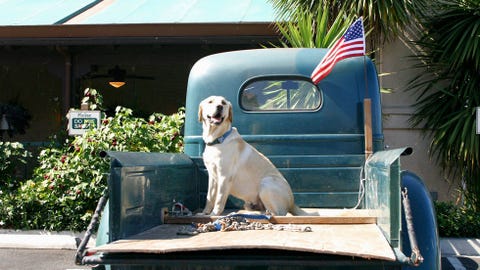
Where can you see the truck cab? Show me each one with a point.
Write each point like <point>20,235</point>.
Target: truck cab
<point>326,140</point>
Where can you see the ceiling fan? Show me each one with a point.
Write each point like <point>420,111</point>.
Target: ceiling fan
<point>117,75</point>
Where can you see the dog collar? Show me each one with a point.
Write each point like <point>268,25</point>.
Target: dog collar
<point>221,138</point>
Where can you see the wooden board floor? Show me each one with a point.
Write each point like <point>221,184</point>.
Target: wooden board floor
<point>360,240</point>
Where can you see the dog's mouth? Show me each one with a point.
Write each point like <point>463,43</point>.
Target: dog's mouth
<point>216,119</point>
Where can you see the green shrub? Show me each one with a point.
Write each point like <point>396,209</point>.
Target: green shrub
<point>457,221</point>
<point>12,154</point>
<point>70,178</point>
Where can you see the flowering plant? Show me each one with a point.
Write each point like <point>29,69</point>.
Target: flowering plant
<point>70,178</point>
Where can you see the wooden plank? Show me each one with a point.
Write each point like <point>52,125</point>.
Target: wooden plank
<point>367,109</point>
<point>359,240</point>
<point>278,220</point>
<point>324,216</point>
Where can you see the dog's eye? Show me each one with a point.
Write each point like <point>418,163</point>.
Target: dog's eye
<point>210,101</point>
<point>224,103</point>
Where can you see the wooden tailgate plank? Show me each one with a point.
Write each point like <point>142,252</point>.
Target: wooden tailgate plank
<point>278,220</point>
<point>338,239</point>
<point>323,216</point>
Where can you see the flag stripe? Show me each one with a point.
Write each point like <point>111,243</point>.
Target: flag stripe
<point>356,48</point>
<point>351,44</point>
<point>327,67</point>
<point>320,75</point>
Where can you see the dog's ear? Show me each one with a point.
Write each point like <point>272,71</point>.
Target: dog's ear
<point>200,113</point>
<point>230,113</point>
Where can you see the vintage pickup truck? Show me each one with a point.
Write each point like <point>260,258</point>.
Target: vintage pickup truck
<point>327,141</point>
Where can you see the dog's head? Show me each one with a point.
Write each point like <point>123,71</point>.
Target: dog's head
<point>215,110</point>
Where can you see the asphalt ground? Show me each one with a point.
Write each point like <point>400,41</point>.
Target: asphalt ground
<point>460,253</point>
<point>38,259</point>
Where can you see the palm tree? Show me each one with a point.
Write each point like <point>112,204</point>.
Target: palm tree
<point>386,18</point>
<point>310,30</point>
<point>450,92</point>
<point>318,24</point>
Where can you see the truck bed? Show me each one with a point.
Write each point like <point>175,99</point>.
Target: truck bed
<point>337,232</point>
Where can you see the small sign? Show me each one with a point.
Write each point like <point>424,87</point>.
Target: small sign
<point>81,121</point>
<point>478,120</point>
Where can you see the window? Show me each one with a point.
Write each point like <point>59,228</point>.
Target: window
<point>279,94</point>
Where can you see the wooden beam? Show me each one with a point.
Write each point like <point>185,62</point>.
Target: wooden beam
<point>279,219</point>
<point>367,109</point>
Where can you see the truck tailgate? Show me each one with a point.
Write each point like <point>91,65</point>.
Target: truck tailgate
<point>356,236</point>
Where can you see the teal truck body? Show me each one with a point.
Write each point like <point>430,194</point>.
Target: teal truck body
<point>316,135</point>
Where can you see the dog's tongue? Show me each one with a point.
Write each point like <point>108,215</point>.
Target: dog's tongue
<point>217,118</point>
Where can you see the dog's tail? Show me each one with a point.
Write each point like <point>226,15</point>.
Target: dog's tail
<point>297,211</point>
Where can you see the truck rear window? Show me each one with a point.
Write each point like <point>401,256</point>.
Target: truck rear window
<point>273,94</point>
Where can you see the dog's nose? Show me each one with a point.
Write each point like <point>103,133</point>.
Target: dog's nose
<point>219,107</point>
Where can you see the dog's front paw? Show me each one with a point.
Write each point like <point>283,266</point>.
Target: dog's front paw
<point>201,214</point>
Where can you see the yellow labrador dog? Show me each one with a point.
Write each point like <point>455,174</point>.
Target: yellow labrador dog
<point>236,168</point>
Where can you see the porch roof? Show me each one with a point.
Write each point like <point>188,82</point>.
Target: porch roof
<point>40,12</point>
<point>48,12</point>
<point>177,11</point>
<point>37,22</point>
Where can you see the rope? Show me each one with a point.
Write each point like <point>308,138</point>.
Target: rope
<point>240,222</point>
<point>362,180</point>
<point>361,188</point>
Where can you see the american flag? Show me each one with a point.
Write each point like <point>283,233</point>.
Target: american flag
<point>351,44</point>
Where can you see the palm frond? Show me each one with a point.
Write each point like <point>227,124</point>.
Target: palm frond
<point>313,31</point>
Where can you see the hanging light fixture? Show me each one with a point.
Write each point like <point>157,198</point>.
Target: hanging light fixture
<point>118,77</point>
<point>116,84</point>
